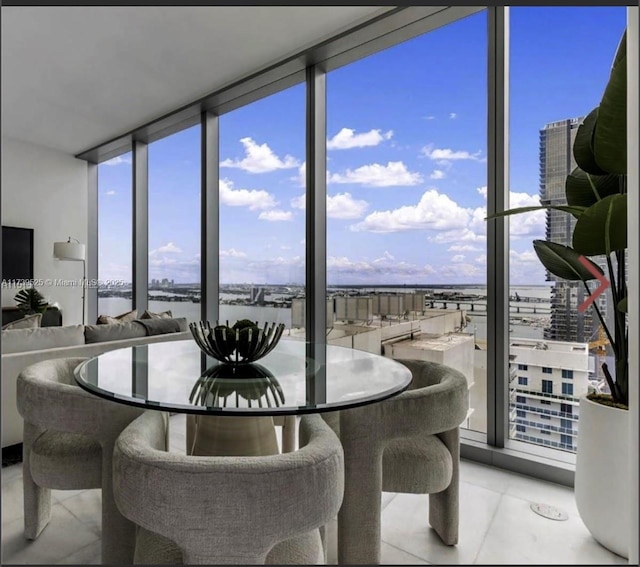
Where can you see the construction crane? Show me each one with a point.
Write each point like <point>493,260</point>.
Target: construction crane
<point>599,348</point>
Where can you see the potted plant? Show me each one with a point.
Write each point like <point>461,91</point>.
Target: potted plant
<point>596,195</point>
<point>30,301</point>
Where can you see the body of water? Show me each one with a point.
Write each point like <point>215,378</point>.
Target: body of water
<point>477,325</point>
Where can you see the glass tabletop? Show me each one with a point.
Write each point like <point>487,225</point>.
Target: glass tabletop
<point>295,378</point>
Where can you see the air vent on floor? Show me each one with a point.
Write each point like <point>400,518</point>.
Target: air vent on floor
<point>550,512</point>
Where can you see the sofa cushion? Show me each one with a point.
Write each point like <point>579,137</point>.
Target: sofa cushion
<point>127,317</point>
<point>160,326</point>
<point>26,340</point>
<point>102,333</point>
<point>27,322</point>
<point>163,315</point>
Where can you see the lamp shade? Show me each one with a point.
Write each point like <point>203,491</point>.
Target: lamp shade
<point>68,251</point>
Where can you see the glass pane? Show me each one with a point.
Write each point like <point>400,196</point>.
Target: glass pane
<point>115,233</point>
<point>174,224</point>
<point>554,84</point>
<point>262,217</point>
<point>406,201</point>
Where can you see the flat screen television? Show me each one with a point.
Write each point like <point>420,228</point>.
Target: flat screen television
<point>17,253</point>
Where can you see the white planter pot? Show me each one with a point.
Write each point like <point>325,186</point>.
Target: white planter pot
<point>602,474</point>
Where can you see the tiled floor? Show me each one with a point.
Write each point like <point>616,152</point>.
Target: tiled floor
<point>497,525</point>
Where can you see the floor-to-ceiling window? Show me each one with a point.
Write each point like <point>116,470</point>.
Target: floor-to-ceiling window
<point>560,62</point>
<point>115,222</point>
<point>406,207</point>
<point>174,224</point>
<point>406,201</point>
<point>262,212</point>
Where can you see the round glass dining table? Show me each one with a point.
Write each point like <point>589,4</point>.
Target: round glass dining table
<point>295,378</point>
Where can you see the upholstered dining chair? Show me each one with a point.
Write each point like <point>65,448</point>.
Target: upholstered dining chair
<point>227,510</point>
<point>408,443</point>
<point>68,445</point>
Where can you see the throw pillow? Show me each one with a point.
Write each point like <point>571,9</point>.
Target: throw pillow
<point>163,315</point>
<point>28,322</point>
<point>118,319</point>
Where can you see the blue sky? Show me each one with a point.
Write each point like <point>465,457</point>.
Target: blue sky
<point>406,164</point>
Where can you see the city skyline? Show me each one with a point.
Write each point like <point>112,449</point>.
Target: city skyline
<point>406,163</point>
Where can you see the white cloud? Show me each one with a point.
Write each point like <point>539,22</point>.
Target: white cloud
<point>453,115</point>
<point>118,160</point>
<point>344,206</point>
<point>429,117</point>
<point>458,258</point>
<point>395,173</point>
<point>276,215</point>
<point>447,154</point>
<point>528,225</point>
<point>339,206</point>
<point>387,265</point>
<point>232,253</point>
<point>458,235</point>
<point>531,225</point>
<point>526,257</point>
<point>434,211</point>
<point>462,270</point>
<point>299,202</point>
<point>463,248</point>
<point>168,248</point>
<point>482,259</point>
<point>110,193</point>
<point>255,199</point>
<point>437,174</point>
<point>260,158</point>
<point>347,139</point>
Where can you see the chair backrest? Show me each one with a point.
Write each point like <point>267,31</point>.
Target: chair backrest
<point>437,400</point>
<point>223,510</point>
<point>49,398</point>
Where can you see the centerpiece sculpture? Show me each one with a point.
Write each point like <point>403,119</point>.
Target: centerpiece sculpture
<point>243,343</point>
<point>251,382</point>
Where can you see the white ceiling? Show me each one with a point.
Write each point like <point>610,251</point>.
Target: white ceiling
<point>74,77</point>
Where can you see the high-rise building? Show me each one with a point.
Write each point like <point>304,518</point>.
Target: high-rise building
<point>556,162</point>
<point>547,379</point>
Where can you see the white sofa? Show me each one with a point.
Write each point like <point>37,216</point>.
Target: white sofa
<point>34,345</point>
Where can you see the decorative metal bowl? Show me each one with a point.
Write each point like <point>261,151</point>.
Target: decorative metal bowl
<point>223,385</point>
<point>243,343</point>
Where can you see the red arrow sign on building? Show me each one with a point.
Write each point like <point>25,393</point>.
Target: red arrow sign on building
<point>604,284</point>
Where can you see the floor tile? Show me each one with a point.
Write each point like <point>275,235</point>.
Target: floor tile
<point>390,555</point>
<point>405,525</point>
<point>87,507</point>
<point>62,495</point>
<point>534,490</point>
<point>11,473</point>
<point>64,536</point>
<point>387,497</point>
<point>88,555</point>
<point>518,535</point>
<point>485,476</point>
<point>12,501</point>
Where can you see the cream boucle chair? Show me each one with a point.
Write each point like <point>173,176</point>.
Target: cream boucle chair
<point>68,445</point>
<point>227,510</point>
<point>409,443</point>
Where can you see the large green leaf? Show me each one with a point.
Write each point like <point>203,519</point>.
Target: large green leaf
<point>583,145</point>
<point>563,261</point>
<point>623,306</point>
<point>610,134</point>
<point>583,189</point>
<point>602,228</point>
<point>575,210</point>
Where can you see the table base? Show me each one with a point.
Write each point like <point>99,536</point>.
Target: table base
<point>231,436</point>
